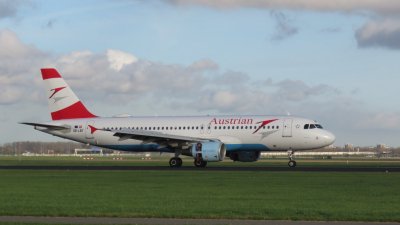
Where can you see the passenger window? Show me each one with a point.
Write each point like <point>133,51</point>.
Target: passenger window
<point>273,127</point>
<point>277,127</point>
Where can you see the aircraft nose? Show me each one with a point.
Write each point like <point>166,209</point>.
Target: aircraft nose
<point>328,138</point>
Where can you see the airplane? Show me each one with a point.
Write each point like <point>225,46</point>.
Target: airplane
<point>205,138</point>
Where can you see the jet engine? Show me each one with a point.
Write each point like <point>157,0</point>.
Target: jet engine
<point>244,156</point>
<point>210,151</point>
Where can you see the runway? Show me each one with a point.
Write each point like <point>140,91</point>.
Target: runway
<point>222,168</point>
<point>167,221</point>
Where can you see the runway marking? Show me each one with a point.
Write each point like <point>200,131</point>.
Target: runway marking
<point>167,221</point>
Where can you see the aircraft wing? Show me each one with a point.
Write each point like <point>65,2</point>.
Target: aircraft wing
<point>154,136</point>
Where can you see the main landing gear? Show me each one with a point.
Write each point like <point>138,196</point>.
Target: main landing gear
<point>175,162</point>
<point>291,162</point>
<point>199,162</point>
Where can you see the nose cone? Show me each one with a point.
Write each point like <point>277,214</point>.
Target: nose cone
<point>328,138</point>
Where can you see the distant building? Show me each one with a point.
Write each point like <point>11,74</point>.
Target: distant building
<point>382,147</point>
<point>348,147</point>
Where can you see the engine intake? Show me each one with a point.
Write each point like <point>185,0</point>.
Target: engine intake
<point>210,151</point>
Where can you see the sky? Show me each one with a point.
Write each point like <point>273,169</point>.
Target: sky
<point>336,62</point>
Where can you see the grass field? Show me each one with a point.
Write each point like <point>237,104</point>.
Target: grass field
<point>202,194</point>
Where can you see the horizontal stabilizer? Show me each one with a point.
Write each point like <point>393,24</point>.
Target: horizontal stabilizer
<point>48,126</point>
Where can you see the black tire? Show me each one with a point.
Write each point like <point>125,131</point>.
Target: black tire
<point>175,162</point>
<point>292,163</point>
<point>200,163</point>
<point>180,162</point>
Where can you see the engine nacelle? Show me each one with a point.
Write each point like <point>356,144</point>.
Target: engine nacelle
<point>244,156</point>
<point>210,151</point>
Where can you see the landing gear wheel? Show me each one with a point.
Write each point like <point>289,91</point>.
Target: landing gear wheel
<point>292,163</point>
<point>200,163</point>
<point>175,162</point>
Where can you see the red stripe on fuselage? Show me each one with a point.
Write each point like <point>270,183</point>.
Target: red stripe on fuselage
<point>75,111</point>
<point>48,73</point>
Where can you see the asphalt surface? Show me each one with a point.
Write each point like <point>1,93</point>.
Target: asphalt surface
<point>224,168</point>
<point>155,221</point>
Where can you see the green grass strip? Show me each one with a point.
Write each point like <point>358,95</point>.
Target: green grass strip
<point>202,194</point>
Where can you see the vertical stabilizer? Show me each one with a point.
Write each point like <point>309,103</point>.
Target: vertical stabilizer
<point>63,103</point>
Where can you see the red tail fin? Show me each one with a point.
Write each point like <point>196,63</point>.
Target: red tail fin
<point>63,102</point>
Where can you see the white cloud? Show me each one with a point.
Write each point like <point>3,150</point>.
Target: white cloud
<point>204,64</point>
<point>12,47</point>
<point>380,120</point>
<point>9,8</point>
<point>382,6</point>
<point>382,29</point>
<point>284,29</point>
<point>119,59</point>
<point>10,94</point>
<point>382,33</point>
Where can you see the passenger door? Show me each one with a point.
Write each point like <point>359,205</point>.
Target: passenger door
<point>287,128</point>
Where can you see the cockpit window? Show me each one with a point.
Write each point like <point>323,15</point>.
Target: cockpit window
<point>313,126</point>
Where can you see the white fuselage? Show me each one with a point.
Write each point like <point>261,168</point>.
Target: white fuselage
<point>238,133</point>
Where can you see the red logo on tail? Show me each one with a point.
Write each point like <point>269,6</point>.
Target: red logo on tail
<point>55,90</point>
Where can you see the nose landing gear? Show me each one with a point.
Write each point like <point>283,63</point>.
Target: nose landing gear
<point>292,162</point>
